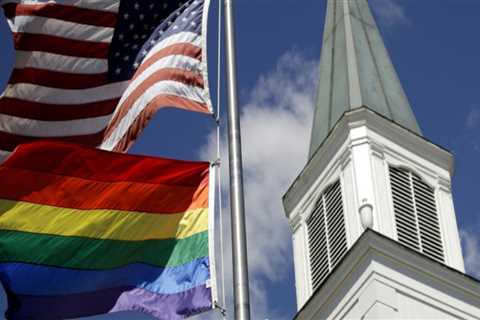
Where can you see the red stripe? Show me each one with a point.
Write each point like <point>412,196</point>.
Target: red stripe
<point>58,45</point>
<point>136,128</point>
<point>183,76</point>
<point>184,49</point>
<point>62,12</point>
<point>55,79</point>
<point>49,112</point>
<point>10,141</point>
<point>94,164</point>
<point>86,194</point>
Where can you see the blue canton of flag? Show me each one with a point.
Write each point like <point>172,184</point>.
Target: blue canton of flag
<point>138,30</point>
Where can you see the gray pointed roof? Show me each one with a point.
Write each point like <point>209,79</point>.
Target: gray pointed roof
<point>356,71</point>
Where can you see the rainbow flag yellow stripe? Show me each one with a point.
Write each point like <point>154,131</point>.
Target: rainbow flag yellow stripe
<point>100,223</point>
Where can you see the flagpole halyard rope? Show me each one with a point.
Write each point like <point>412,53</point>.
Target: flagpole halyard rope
<point>222,308</point>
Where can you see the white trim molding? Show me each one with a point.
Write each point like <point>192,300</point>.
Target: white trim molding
<point>381,279</point>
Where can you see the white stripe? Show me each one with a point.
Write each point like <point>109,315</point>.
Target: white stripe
<point>38,128</point>
<point>163,87</point>
<point>102,5</point>
<point>3,155</point>
<point>60,63</point>
<point>59,28</point>
<point>36,93</point>
<point>181,37</point>
<point>174,61</point>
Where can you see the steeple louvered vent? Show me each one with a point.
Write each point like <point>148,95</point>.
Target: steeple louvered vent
<point>416,213</point>
<point>327,239</point>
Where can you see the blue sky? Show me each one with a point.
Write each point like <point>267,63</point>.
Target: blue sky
<point>435,49</point>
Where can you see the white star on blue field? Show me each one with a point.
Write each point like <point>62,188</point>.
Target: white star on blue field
<point>435,49</point>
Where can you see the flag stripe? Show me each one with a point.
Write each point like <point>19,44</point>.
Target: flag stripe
<point>50,112</point>
<point>52,44</point>
<point>8,141</point>
<point>93,254</point>
<point>60,28</point>
<point>180,49</point>
<point>70,281</point>
<point>78,193</point>
<point>62,12</point>
<point>55,158</point>
<point>56,79</point>
<point>162,306</point>
<point>52,129</point>
<point>104,5</point>
<point>60,63</point>
<point>179,37</point>
<point>100,224</point>
<point>60,96</point>
<point>119,143</point>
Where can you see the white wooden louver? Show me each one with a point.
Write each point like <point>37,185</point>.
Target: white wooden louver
<point>416,215</point>
<point>327,238</point>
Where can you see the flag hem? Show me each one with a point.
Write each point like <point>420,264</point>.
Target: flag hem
<point>211,233</point>
<point>206,89</point>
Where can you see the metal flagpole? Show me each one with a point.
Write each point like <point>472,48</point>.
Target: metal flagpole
<point>239,240</point>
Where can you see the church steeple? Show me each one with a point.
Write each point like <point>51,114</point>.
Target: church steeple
<point>356,71</point>
<point>369,165</point>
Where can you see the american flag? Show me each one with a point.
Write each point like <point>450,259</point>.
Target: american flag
<point>95,71</point>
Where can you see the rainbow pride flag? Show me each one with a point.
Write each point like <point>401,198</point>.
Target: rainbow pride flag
<point>85,231</point>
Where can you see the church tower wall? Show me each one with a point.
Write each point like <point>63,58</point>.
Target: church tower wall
<point>359,154</point>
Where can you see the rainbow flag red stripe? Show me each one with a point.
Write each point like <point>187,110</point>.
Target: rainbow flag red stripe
<point>85,231</point>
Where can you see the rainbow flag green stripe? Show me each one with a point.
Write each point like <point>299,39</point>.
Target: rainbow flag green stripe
<point>96,254</point>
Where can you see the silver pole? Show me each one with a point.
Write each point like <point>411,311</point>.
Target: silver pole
<point>239,239</point>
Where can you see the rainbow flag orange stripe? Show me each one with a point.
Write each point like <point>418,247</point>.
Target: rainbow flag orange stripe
<point>85,231</point>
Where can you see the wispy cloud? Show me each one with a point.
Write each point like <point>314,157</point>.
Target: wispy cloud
<point>276,123</point>
<point>472,123</point>
<point>471,252</point>
<point>473,118</point>
<point>390,13</point>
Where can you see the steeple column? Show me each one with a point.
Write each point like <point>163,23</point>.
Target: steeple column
<point>446,208</point>
<point>363,171</point>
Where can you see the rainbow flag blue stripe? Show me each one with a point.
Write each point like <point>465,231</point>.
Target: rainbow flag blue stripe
<point>89,232</point>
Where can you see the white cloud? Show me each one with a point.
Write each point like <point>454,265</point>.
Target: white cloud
<point>473,118</point>
<point>275,123</point>
<point>471,252</point>
<point>390,13</point>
